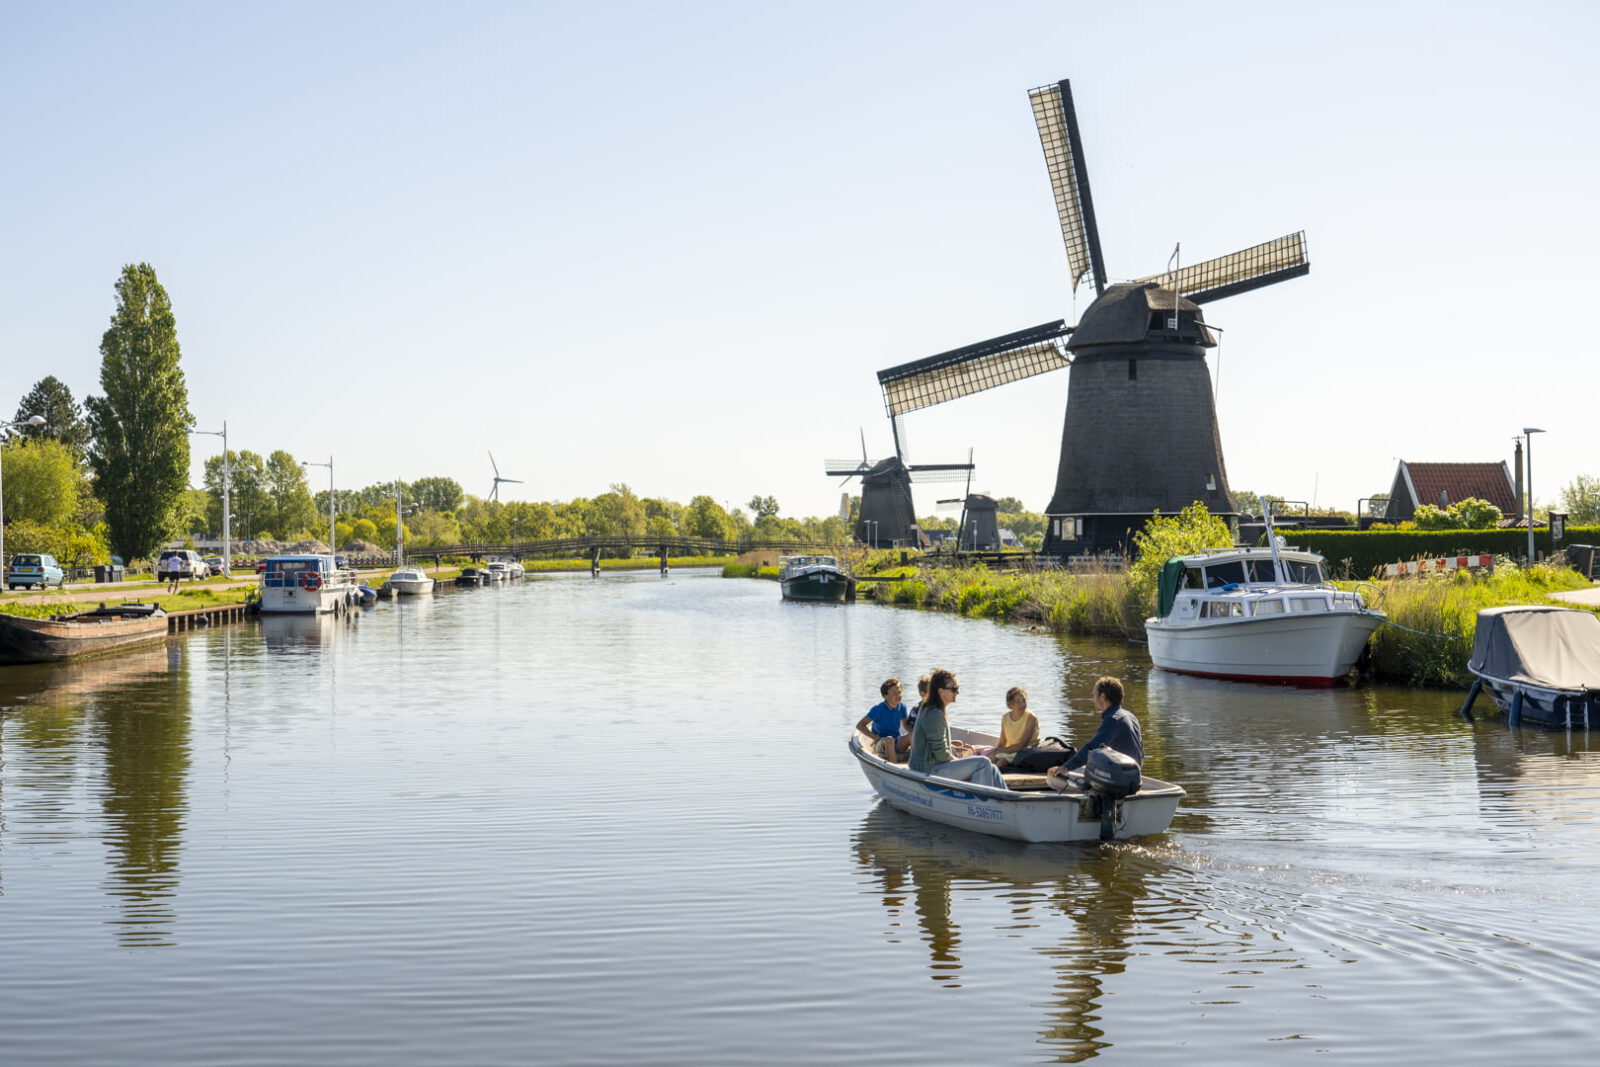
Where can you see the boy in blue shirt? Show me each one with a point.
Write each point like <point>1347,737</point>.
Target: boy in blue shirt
<point>883,722</point>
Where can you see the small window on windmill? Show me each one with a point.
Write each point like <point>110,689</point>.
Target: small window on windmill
<point>1211,483</point>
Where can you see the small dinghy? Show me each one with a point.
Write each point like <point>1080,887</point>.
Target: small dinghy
<point>1112,801</point>
<point>1539,663</point>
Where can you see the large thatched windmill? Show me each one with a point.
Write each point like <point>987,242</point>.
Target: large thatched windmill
<point>1141,425</point>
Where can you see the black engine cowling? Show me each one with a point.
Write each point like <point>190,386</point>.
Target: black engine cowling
<point>1110,774</point>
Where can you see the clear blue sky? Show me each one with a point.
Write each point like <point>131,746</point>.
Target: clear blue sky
<point>671,244</point>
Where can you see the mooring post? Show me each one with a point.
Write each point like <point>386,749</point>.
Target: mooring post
<point>594,562</point>
<point>663,559</point>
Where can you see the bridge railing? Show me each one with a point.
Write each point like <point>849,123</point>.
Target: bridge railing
<point>580,547</point>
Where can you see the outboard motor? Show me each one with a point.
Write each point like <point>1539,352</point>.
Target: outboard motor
<point>1110,776</point>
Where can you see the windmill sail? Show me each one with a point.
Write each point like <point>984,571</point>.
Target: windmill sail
<point>974,368</point>
<point>1240,272</point>
<point>1057,120</point>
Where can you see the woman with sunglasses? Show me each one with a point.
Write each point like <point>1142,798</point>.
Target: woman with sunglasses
<point>932,751</point>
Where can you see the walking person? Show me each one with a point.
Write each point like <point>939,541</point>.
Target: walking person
<point>932,750</point>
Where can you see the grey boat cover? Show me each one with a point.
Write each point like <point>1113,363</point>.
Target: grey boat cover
<point>1553,648</point>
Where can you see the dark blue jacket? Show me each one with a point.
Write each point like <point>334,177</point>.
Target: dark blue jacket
<point>1118,730</point>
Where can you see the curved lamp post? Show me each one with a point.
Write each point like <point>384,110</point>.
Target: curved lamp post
<point>332,550</point>
<point>5,561</point>
<point>227,499</point>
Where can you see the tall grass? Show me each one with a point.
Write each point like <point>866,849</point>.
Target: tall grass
<point>1444,607</point>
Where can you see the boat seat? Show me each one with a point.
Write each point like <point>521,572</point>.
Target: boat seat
<point>1024,783</point>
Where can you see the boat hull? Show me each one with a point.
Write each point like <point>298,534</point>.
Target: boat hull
<point>411,587</point>
<point>1567,708</point>
<point>1031,816</point>
<point>1313,649</point>
<point>76,637</point>
<point>828,586</point>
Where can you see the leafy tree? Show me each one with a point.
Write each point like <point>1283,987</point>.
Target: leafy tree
<point>63,418</point>
<point>43,481</point>
<point>617,514</point>
<point>1009,505</point>
<point>284,482</point>
<point>706,518</point>
<point>252,507</point>
<point>1193,529</point>
<point>763,506</point>
<point>1580,500</point>
<point>1468,514</point>
<point>140,452</point>
<point>437,494</point>
<point>364,530</point>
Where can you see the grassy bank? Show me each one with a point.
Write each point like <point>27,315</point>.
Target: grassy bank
<point>1443,607</point>
<point>198,596</point>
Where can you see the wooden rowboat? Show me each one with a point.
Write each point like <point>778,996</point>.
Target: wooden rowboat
<point>85,633</point>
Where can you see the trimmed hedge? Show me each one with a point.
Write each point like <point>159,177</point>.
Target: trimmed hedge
<point>1361,553</point>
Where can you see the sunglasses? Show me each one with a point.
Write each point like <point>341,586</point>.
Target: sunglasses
<point>952,688</point>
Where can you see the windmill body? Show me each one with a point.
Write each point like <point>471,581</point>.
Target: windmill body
<point>888,517</point>
<point>1140,433</point>
<point>980,523</point>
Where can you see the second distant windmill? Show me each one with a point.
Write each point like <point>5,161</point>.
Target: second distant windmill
<point>494,491</point>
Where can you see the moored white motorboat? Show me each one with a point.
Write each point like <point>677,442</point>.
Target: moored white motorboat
<point>410,580</point>
<point>1027,810</point>
<point>306,585</point>
<point>1539,663</point>
<point>1257,614</point>
<point>495,571</point>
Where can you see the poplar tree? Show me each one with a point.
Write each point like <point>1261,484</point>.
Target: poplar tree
<point>140,452</point>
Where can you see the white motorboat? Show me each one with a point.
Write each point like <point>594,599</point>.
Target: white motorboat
<point>1027,809</point>
<point>306,585</point>
<point>410,581</point>
<point>495,571</point>
<point>1257,614</point>
<point>512,568</point>
<point>1539,663</point>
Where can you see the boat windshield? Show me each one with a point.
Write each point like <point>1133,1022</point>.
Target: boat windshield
<point>1229,573</point>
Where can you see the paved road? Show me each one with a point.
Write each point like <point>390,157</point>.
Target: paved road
<point>1589,597</point>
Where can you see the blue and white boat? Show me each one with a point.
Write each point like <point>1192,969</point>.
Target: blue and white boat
<point>1028,809</point>
<point>306,585</point>
<point>1539,663</point>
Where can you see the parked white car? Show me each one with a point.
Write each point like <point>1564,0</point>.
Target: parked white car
<point>190,565</point>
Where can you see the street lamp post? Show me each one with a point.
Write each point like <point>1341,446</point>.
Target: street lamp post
<point>1530,431</point>
<point>332,550</point>
<point>5,563</point>
<point>227,497</point>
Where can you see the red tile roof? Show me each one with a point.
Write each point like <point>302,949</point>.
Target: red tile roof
<point>1486,481</point>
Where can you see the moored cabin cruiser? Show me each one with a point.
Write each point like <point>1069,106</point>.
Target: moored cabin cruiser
<point>410,580</point>
<point>815,578</point>
<point>305,585</point>
<point>1257,614</point>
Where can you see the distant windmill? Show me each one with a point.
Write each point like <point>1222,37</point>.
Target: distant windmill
<point>1140,433</point>
<point>887,513</point>
<point>494,492</point>
<point>978,530</point>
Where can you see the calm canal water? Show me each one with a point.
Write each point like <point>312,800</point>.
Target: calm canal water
<point>608,821</point>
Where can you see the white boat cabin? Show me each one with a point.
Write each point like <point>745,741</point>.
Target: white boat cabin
<point>306,584</point>
<point>1247,583</point>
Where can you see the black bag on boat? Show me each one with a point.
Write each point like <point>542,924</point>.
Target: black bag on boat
<point>1051,752</point>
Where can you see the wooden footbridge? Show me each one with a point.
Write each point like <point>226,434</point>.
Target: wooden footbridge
<point>592,548</point>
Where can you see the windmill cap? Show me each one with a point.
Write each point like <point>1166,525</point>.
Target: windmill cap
<point>1122,314</point>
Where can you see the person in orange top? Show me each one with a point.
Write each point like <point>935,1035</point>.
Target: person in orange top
<point>1019,727</point>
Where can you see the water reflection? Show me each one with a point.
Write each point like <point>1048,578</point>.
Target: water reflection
<point>121,724</point>
<point>304,634</point>
<point>1020,892</point>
